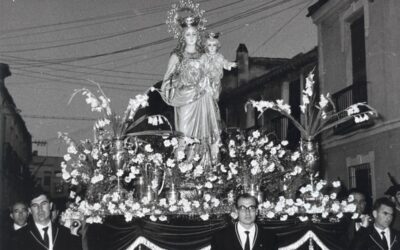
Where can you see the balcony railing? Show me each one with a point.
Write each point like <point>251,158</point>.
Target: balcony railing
<point>346,97</point>
<point>283,130</point>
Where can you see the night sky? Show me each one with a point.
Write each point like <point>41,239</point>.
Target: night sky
<point>56,46</point>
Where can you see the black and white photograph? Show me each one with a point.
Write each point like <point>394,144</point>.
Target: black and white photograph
<point>199,124</point>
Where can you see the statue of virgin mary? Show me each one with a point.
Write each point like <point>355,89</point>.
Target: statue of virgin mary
<point>185,88</point>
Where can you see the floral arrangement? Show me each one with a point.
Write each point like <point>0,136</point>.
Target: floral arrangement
<point>136,173</point>
<point>316,202</point>
<point>255,159</point>
<point>319,116</point>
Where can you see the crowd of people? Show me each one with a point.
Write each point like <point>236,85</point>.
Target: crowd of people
<point>33,226</point>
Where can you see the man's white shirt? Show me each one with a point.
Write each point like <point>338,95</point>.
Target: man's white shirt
<point>387,234</point>
<point>243,235</point>
<point>16,226</point>
<point>49,233</point>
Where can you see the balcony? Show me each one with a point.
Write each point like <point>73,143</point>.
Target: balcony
<point>344,98</point>
<point>283,130</point>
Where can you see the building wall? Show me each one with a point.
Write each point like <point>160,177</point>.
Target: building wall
<point>15,143</point>
<point>382,36</point>
<point>15,147</point>
<point>47,174</point>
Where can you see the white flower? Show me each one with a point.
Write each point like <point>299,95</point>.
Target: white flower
<point>181,155</point>
<point>284,217</point>
<point>148,148</point>
<point>323,101</point>
<point>162,218</point>
<point>65,175</point>
<point>153,120</point>
<point>333,196</point>
<point>256,134</point>
<point>223,169</point>
<point>174,142</point>
<point>153,218</point>
<point>71,149</point>
<point>336,184</point>
<point>271,167</point>
<point>198,171</point>
<point>97,178</point>
<point>196,157</point>
<point>215,202</point>
<point>295,156</point>
<point>284,143</point>
<point>120,172</point>
<point>303,218</point>
<point>167,143</point>
<point>207,197</point>
<point>270,214</point>
<point>185,167</point>
<point>250,152</point>
<point>306,100</point>
<point>208,184</point>
<point>232,153</point>
<point>171,163</point>
<point>196,204</point>
<point>353,109</point>
<point>67,157</point>
<point>205,216</point>
<point>303,108</point>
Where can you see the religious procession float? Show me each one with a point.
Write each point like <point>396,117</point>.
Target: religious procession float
<point>155,184</point>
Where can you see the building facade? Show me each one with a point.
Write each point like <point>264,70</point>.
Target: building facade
<point>265,79</point>
<point>46,171</point>
<point>359,61</point>
<point>15,152</point>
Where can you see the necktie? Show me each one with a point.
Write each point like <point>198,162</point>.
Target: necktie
<point>46,236</point>
<point>247,244</point>
<point>384,241</point>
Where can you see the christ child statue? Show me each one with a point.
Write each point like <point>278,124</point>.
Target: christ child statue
<point>214,63</point>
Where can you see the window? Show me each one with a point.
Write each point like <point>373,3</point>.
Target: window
<point>360,177</point>
<point>359,68</point>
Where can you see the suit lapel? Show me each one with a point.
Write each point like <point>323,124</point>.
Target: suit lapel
<point>37,237</point>
<point>237,242</point>
<point>376,238</point>
<point>55,230</point>
<point>255,236</point>
<point>393,238</point>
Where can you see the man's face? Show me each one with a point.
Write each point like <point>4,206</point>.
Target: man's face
<point>19,214</point>
<point>383,216</point>
<point>41,210</point>
<point>360,202</point>
<point>247,211</point>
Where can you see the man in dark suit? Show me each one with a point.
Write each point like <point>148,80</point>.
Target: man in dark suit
<point>379,235</point>
<point>19,214</point>
<point>359,200</point>
<point>244,234</point>
<point>41,233</point>
<point>394,193</point>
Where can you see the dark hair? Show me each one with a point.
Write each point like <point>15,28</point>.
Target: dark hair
<point>245,196</point>
<point>37,193</point>
<point>383,201</point>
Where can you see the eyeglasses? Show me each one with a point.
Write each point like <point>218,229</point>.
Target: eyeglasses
<point>244,209</point>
